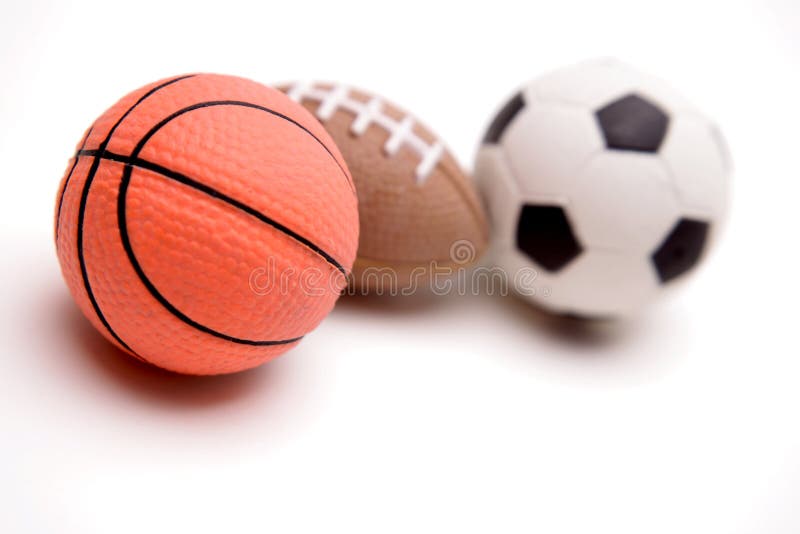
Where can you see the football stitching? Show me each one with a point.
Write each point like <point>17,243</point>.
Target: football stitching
<point>368,113</point>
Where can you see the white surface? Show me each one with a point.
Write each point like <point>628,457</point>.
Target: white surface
<point>469,414</point>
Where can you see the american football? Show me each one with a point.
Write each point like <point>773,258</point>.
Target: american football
<point>416,205</point>
<point>606,183</point>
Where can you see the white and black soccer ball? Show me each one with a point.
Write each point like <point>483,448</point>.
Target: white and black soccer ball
<point>604,183</point>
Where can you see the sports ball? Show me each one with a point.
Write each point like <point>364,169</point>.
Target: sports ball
<point>419,211</point>
<point>604,187</point>
<point>191,215</point>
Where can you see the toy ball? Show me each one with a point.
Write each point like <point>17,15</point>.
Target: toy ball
<point>604,187</point>
<point>419,211</point>
<point>206,224</point>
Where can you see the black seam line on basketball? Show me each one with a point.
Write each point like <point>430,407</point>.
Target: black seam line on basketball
<point>110,156</point>
<point>214,103</point>
<point>210,191</point>
<point>82,211</point>
<point>126,243</point>
<point>66,181</point>
<point>185,180</point>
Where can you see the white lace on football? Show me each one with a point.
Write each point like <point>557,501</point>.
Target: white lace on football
<point>371,112</point>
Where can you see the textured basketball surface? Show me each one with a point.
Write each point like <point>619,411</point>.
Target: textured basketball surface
<point>416,205</point>
<point>183,191</point>
<point>605,183</point>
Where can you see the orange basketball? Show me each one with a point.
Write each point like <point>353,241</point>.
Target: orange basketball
<point>206,224</point>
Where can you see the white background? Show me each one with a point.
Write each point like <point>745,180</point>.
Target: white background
<point>473,414</point>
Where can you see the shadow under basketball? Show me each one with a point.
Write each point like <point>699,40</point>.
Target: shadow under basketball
<point>148,381</point>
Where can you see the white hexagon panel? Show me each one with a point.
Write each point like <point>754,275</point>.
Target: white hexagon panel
<point>604,181</point>
<point>568,134</point>
<point>623,201</point>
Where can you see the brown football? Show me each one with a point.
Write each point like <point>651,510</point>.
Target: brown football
<point>419,210</point>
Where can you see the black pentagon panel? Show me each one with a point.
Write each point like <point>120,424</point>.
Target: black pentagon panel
<point>681,250</point>
<point>633,123</point>
<point>503,119</point>
<point>545,236</point>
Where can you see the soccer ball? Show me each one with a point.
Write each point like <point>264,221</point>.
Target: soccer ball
<point>604,187</point>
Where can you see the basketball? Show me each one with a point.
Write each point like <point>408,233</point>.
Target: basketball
<point>206,223</point>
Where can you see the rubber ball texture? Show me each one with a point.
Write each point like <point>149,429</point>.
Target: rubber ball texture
<point>419,210</point>
<point>206,223</point>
